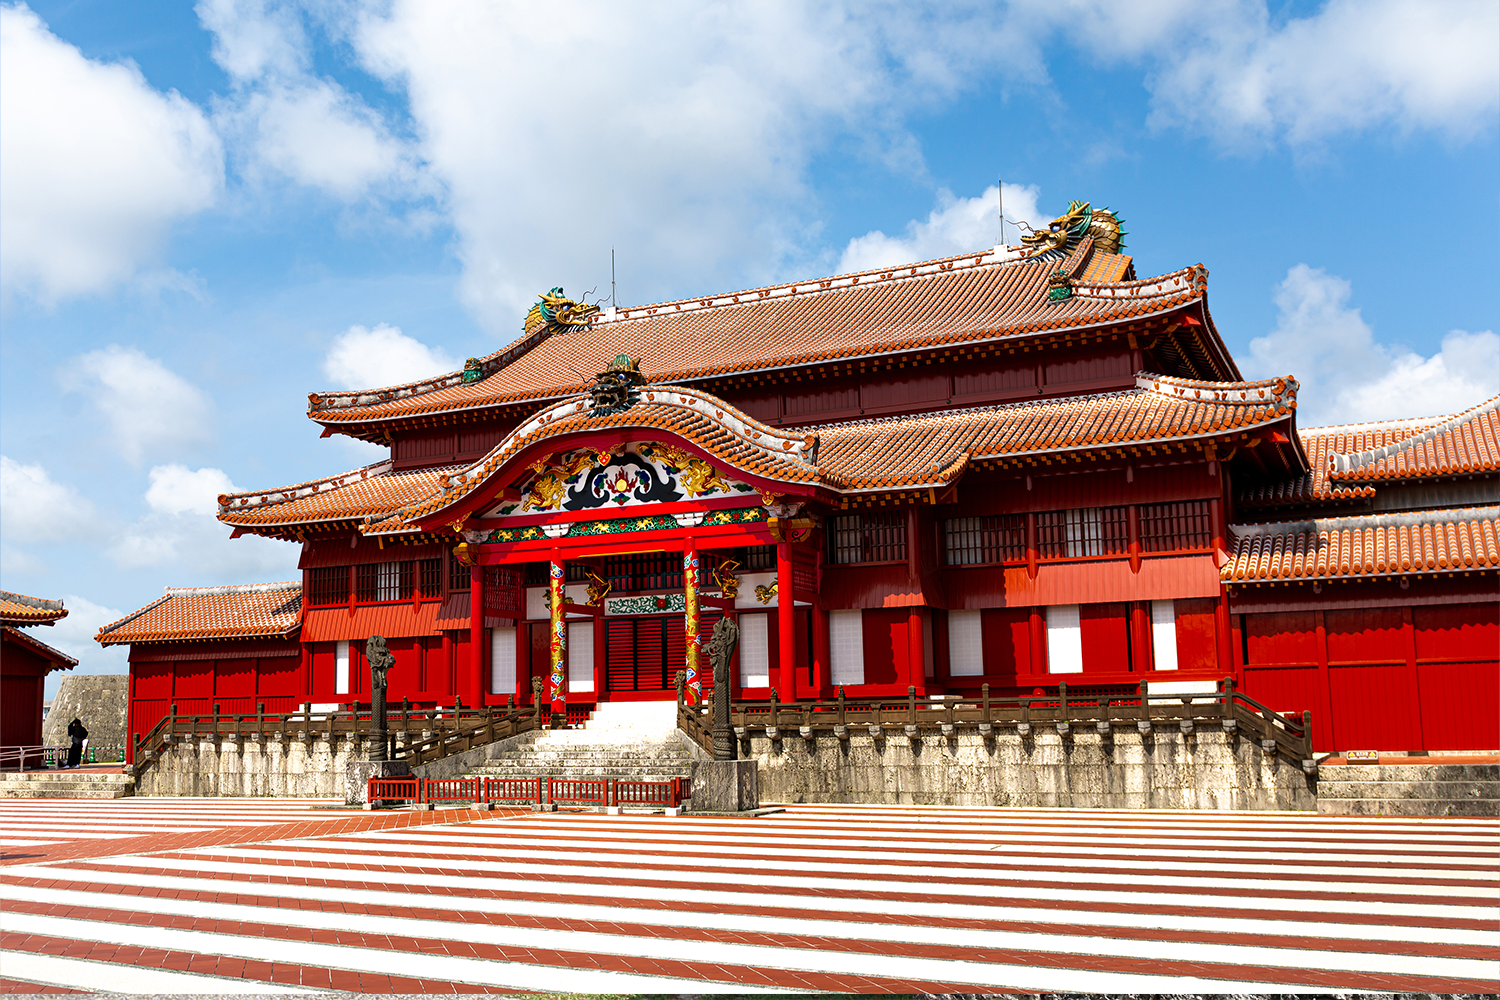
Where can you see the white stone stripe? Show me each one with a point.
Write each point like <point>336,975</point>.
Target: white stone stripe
<point>380,961</point>
<point>795,958</point>
<point>691,909</point>
<point>8,842</point>
<point>751,849</point>
<point>978,842</point>
<point>113,977</point>
<point>760,889</point>
<point>103,833</point>
<point>707,867</point>
<point>942,825</point>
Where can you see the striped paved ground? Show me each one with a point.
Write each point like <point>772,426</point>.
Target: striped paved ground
<point>42,822</point>
<point>851,899</point>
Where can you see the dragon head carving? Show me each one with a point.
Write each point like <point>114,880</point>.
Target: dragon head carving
<point>555,309</point>
<point>1067,230</point>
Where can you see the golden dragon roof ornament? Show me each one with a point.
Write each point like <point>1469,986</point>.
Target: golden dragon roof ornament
<point>1068,230</point>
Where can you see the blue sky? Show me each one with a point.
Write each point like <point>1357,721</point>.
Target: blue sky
<point>207,211</point>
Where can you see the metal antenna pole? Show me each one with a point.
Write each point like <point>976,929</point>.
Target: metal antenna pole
<point>611,277</point>
<point>1000,196</point>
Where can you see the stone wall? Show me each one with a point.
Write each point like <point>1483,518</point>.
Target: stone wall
<point>1165,769</point>
<point>98,701</point>
<point>292,768</point>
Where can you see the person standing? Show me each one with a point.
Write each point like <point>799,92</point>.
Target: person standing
<point>78,735</point>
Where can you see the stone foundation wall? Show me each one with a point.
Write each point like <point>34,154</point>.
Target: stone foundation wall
<point>292,768</point>
<point>1165,769</point>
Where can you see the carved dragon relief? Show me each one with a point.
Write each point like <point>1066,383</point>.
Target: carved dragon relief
<point>1068,230</point>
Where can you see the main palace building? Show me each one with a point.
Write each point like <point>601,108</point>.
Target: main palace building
<point>1015,467</point>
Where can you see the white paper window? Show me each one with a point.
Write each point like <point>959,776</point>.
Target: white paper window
<point>1084,533</point>
<point>581,656</point>
<point>965,644</point>
<point>502,660</point>
<point>1164,634</point>
<point>1064,640</point>
<point>846,646</point>
<point>341,668</point>
<point>755,651</point>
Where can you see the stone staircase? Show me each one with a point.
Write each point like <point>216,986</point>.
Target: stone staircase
<point>633,741</point>
<point>79,784</point>
<point>1437,788</point>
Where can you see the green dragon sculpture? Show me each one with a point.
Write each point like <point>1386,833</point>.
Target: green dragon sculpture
<point>555,309</point>
<point>1067,230</point>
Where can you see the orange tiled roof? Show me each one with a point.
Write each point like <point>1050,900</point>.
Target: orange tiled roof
<point>18,609</point>
<point>1467,442</point>
<point>60,660</point>
<point>360,493</point>
<point>246,611</point>
<point>1380,545</point>
<point>1421,447</point>
<point>914,451</point>
<point>972,297</point>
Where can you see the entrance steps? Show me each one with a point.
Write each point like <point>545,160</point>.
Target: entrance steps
<point>79,784</point>
<point>1410,786</point>
<point>632,741</point>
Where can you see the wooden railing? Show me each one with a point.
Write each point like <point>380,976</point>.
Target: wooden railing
<point>1100,709</point>
<point>418,736</point>
<point>17,758</point>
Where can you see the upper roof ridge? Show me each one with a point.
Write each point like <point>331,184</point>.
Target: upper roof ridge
<point>40,603</point>
<point>1344,462</point>
<point>257,498</point>
<point>235,588</point>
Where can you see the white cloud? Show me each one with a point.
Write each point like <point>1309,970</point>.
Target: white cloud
<point>95,165</point>
<point>954,226</point>
<point>366,359</point>
<point>180,534</point>
<point>74,635</point>
<point>34,507</point>
<point>1353,65</point>
<point>176,489</point>
<point>683,137</point>
<point>146,404</point>
<point>288,120</point>
<point>1347,376</point>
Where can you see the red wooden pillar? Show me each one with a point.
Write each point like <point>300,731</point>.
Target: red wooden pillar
<point>1409,648</point>
<point>599,656</point>
<point>523,655</point>
<point>1038,639</point>
<point>557,683</point>
<point>916,652</point>
<point>786,623</point>
<point>1031,546</point>
<point>1141,657</point>
<point>1223,635</point>
<point>822,668</point>
<point>1133,529</point>
<point>474,688</point>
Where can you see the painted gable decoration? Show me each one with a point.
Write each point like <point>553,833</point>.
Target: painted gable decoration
<point>641,472</point>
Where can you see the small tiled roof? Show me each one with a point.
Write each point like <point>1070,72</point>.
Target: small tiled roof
<point>1380,545</point>
<point>973,297</point>
<point>914,451</point>
<point>374,489</point>
<point>18,609</point>
<point>245,611</point>
<point>1345,458</point>
<point>1465,443</point>
<point>60,660</point>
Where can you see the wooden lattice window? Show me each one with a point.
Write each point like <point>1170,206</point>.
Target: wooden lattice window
<point>870,536</point>
<point>458,575</point>
<point>1169,527</point>
<point>1080,532</point>
<point>430,577</point>
<point>990,539</point>
<point>328,585</point>
<point>390,581</point>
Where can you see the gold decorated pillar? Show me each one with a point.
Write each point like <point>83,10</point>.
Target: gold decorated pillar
<point>557,603</point>
<point>690,566</point>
